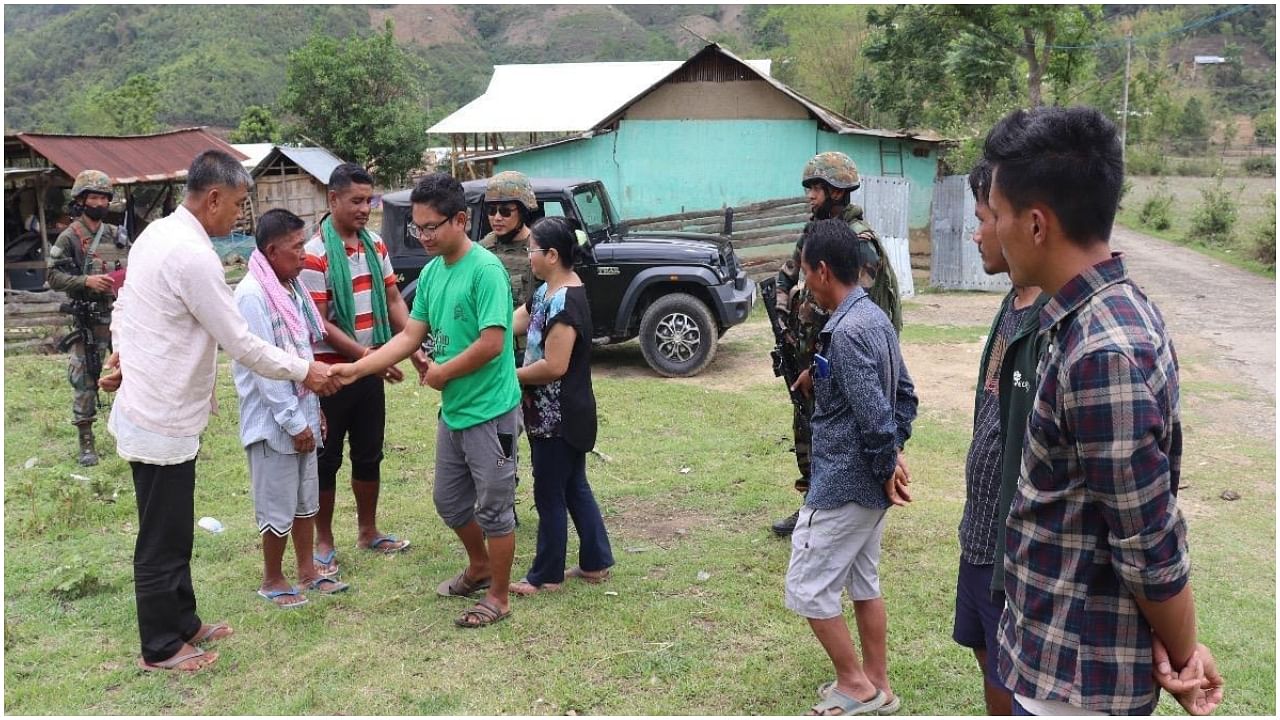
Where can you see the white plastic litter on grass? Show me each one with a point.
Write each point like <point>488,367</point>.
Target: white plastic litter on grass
<point>213,525</point>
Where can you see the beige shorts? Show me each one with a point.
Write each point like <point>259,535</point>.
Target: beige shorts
<point>834,550</point>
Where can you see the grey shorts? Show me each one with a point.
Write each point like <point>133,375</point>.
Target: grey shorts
<point>476,474</point>
<point>284,487</point>
<point>834,550</point>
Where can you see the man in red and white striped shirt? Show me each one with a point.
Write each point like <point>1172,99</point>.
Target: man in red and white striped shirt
<point>362,308</point>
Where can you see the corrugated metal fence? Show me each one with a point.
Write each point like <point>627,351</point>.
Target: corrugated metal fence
<point>885,204</point>
<point>956,264</point>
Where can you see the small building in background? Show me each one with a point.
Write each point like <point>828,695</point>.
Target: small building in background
<point>294,178</point>
<point>675,137</point>
<point>147,172</point>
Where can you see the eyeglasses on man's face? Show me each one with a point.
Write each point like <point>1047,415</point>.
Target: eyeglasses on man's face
<point>418,232</point>
<point>505,210</point>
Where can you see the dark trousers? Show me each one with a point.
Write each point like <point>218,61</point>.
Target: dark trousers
<point>560,491</point>
<point>358,410</point>
<point>162,557</point>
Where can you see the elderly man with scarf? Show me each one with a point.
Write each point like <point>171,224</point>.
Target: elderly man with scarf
<point>280,421</point>
<point>348,273</point>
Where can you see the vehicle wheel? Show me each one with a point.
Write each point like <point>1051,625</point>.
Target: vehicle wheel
<point>678,335</point>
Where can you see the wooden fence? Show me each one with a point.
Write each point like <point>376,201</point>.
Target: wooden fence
<point>32,322</point>
<point>764,233</point>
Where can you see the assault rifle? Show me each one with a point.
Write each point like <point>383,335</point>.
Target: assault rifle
<point>86,315</point>
<point>784,359</point>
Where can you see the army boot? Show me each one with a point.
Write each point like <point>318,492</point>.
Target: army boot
<point>88,454</point>
<point>785,526</point>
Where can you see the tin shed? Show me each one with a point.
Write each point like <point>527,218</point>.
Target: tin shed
<point>294,178</point>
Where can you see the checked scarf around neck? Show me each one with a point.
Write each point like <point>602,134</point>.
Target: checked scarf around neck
<point>343,293</point>
<point>291,330</point>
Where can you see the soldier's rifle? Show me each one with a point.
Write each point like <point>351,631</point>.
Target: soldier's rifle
<point>86,315</point>
<point>783,352</point>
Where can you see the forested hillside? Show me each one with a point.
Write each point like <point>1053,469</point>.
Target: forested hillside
<point>949,68</point>
<point>210,62</point>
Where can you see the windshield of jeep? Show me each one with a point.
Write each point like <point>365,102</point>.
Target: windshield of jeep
<point>595,210</point>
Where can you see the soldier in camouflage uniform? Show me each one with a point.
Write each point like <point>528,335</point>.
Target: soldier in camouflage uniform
<point>76,269</point>
<point>510,204</point>
<point>829,179</point>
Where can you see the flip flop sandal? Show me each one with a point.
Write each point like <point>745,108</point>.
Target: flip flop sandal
<point>582,575</point>
<point>327,586</point>
<point>271,595</point>
<point>483,614</point>
<point>397,545</point>
<point>324,561</point>
<point>837,700</point>
<point>172,663</point>
<point>212,632</point>
<point>533,589</point>
<point>461,586</point>
<point>888,708</point>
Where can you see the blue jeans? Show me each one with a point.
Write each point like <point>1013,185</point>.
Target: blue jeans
<point>560,491</point>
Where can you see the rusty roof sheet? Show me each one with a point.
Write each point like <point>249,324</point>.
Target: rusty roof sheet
<point>128,160</point>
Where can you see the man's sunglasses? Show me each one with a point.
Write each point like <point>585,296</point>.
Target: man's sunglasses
<point>505,211</point>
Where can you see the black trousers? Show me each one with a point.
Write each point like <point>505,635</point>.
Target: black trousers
<point>162,557</point>
<point>358,411</point>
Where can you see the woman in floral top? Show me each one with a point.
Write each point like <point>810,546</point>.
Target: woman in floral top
<point>560,412</point>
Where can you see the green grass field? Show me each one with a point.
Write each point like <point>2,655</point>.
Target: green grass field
<point>1253,206</point>
<point>692,473</point>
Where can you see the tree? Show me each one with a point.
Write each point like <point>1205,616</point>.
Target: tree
<point>820,49</point>
<point>257,124</point>
<point>360,98</point>
<point>136,105</point>
<point>1050,42</point>
<point>1193,125</point>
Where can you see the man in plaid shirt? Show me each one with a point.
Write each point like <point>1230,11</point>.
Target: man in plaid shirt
<point>1097,571</point>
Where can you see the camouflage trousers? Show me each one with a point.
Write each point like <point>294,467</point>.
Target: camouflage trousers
<point>800,426</point>
<point>84,399</point>
<point>804,322</point>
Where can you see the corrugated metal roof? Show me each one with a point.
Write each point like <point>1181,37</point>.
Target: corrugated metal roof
<point>582,97</point>
<point>130,159</point>
<point>315,160</point>
<point>255,152</point>
<point>559,97</point>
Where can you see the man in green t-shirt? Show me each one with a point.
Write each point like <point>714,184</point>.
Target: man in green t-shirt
<point>464,304</point>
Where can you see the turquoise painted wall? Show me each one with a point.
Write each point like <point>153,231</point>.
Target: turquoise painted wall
<point>919,171</point>
<point>658,167</point>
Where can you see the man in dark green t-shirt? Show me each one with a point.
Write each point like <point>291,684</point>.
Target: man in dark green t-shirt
<point>464,304</point>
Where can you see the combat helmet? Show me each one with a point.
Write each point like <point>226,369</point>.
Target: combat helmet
<point>834,168</point>
<point>511,186</point>
<point>94,181</point>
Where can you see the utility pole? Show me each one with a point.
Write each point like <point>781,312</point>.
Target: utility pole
<point>1124,113</point>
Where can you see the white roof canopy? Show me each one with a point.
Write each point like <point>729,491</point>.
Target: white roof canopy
<point>559,97</point>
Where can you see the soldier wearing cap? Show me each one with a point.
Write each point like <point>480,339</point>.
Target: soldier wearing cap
<point>76,269</point>
<point>511,205</point>
<point>829,179</point>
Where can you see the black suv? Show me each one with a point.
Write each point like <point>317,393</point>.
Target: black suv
<point>678,292</point>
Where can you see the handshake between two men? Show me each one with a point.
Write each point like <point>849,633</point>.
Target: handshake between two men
<point>322,378</point>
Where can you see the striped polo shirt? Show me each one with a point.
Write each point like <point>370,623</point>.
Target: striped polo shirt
<point>315,278</point>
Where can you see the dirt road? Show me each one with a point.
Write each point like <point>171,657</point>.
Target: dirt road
<point>1203,300</point>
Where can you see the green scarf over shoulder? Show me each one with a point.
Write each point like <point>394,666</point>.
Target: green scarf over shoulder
<point>344,296</point>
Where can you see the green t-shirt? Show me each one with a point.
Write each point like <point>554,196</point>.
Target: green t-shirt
<point>457,302</point>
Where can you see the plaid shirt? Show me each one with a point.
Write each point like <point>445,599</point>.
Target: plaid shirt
<point>1094,523</point>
